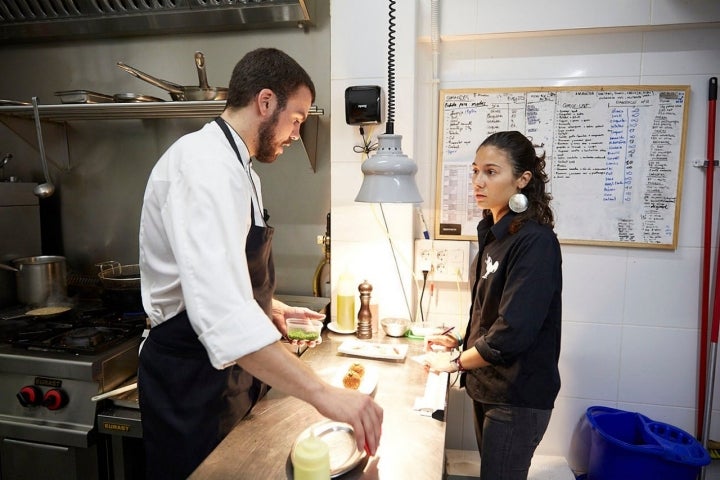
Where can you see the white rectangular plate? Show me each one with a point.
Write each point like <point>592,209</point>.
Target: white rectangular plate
<point>388,351</point>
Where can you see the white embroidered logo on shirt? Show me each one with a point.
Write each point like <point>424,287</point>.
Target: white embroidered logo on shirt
<point>490,266</point>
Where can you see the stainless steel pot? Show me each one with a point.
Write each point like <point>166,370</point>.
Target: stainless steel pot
<point>40,280</point>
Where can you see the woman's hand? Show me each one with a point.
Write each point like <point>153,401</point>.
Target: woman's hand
<point>441,362</point>
<point>444,342</point>
<point>442,350</point>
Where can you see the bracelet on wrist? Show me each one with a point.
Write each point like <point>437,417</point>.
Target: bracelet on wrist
<point>458,364</point>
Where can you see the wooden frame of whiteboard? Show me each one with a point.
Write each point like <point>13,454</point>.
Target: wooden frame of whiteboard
<point>610,88</point>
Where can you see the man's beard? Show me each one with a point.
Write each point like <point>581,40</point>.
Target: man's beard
<point>266,139</point>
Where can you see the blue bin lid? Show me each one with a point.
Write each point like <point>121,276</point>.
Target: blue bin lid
<point>649,437</point>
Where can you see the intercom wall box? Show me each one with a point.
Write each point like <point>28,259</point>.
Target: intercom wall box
<point>363,105</point>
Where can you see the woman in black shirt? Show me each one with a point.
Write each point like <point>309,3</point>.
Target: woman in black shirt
<point>511,347</point>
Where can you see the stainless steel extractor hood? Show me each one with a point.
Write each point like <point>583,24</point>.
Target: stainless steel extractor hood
<point>23,21</point>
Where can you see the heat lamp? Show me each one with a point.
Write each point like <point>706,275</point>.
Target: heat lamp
<point>389,175</point>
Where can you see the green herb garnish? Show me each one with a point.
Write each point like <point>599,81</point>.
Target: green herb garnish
<point>302,335</point>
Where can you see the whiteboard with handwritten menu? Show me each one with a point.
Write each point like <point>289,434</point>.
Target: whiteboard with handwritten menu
<point>614,158</point>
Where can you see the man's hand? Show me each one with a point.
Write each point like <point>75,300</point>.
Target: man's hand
<point>281,312</point>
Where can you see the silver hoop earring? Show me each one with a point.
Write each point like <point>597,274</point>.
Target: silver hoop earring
<point>518,203</point>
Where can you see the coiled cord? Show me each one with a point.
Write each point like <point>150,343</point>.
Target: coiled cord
<point>390,124</point>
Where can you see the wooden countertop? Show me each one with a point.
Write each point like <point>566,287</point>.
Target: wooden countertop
<point>412,445</point>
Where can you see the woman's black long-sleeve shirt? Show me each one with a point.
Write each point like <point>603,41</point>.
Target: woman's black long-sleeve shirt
<point>515,317</point>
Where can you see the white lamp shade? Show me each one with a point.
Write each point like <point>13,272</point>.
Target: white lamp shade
<point>389,175</point>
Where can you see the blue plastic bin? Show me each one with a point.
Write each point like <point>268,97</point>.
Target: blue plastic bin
<point>628,445</point>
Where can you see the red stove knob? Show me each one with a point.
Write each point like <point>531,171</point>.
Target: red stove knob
<point>55,399</point>
<point>30,396</point>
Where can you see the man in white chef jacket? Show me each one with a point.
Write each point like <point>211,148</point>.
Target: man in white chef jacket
<point>208,278</point>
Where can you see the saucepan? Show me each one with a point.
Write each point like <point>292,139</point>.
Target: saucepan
<point>41,280</point>
<point>181,92</point>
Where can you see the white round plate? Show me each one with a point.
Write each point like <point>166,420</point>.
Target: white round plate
<point>334,327</point>
<point>340,437</point>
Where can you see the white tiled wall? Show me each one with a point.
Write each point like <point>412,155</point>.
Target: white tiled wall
<point>631,316</point>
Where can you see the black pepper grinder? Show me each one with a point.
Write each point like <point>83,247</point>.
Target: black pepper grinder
<point>364,323</point>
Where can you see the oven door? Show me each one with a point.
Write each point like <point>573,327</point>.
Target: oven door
<point>24,460</point>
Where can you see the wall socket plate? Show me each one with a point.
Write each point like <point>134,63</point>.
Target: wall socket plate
<point>449,260</point>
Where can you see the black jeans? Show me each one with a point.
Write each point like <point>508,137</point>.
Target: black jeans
<point>507,438</point>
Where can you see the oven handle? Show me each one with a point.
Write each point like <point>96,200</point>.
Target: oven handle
<point>45,446</point>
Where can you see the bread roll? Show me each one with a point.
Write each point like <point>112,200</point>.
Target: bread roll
<point>357,368</point>
<point>351,380</point>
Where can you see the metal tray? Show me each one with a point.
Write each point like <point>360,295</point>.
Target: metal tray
<point>83,96</point>
<point>340,437</point>
<point>134,97</point>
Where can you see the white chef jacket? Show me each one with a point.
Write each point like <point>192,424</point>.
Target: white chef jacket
<point>194,223</point>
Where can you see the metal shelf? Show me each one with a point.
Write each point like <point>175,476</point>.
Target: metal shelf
<point>20,119</point>
<point>117,111</point>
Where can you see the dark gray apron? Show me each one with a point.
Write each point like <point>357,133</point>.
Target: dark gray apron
<point>187,406</point>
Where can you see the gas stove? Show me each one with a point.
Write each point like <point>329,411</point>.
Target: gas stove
<point>50,367</point>
<point>87,329</point>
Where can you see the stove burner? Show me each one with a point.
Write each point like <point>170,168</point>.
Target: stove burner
<point>83,337</point>
<point>84,330</point>
<point>28,328</point>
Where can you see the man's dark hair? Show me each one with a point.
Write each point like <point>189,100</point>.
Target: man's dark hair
<point>267,68</point>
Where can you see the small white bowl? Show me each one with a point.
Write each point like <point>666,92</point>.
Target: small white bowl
<point>395,327</point>
<point>425,330</point>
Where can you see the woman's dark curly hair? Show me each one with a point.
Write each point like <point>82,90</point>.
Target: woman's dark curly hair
<point>521,153</point>
<point>267,68</point>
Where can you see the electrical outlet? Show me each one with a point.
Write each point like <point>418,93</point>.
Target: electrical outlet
<point>448,260</point>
